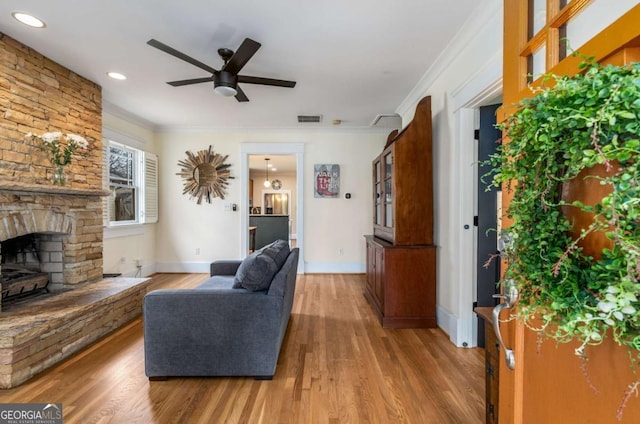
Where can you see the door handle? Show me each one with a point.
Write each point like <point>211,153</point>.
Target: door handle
<point>510,297</point>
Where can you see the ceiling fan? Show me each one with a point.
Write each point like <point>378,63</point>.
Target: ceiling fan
<point>225,81</point>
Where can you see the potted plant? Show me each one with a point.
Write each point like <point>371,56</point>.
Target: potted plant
<point>584,127</point>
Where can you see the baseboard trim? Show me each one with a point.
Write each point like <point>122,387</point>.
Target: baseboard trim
<point>189,267</point>
<point>448,323</point>
<point>310,267</point>
<point>334,268</point>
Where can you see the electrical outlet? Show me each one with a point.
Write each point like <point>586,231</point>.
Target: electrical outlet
<point>138,263</point>
<point>341,251</point>
<point>197,250</point>
<point>227,207</point>
<point>123,260</point>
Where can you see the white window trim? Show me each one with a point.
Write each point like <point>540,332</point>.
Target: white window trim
<point>137,180</point>
<point>125,229</point>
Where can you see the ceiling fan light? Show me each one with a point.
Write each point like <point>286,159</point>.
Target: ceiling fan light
<point>223,90</point>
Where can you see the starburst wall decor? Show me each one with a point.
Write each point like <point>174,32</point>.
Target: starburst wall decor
<point>205,175</point>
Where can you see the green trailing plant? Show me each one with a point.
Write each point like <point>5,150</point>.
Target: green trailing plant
<point>569,125</point>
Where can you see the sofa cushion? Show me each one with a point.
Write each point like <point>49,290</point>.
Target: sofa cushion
<point>220,282</point>
<point>255,272</point>
<point>278,251</point>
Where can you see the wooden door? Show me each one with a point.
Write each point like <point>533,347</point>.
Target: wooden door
<point>379,276</point>
<point>371,267</point>
<point>550,384</point>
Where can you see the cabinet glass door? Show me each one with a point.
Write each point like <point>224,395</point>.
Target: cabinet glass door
<point>378,195</point>
<point>388,190</point>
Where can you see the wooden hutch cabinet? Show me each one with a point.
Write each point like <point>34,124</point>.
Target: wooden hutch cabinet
<point>401,257</point>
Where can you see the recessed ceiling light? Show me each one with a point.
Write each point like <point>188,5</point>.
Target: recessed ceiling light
<point>117,75</point>
<point>26,19</point>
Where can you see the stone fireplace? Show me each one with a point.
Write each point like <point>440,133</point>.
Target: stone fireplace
<point>37,96</point>
<point>67,224</point>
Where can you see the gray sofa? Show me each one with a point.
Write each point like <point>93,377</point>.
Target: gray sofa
<point>217,330</point>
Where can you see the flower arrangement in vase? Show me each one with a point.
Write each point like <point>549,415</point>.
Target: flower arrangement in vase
<point>59,149</point>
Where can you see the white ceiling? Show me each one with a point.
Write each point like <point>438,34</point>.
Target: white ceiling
<point>352,59</point>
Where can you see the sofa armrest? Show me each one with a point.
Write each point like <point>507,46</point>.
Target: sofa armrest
<point>224,267</point>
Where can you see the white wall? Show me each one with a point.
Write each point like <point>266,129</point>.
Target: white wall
<point>142,244</point>
<point>330,224</point>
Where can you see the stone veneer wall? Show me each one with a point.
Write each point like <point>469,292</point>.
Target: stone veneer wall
<point>38,95</point>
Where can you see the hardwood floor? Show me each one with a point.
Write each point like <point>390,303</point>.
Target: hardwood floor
<point>337,365</point>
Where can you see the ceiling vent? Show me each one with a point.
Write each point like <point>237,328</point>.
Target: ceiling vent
<point>304,119</point>
<point>387,120</point>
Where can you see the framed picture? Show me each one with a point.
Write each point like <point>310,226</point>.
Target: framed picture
<point>326,180</point>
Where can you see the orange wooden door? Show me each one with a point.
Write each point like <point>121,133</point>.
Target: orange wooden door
<point>550,384</point>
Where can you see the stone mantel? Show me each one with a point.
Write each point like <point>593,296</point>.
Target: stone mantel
<point>52,189</point>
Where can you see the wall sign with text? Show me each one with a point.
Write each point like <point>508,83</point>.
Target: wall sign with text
<point>326,180</point>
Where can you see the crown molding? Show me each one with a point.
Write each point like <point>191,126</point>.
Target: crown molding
<point>121,113</point>
<point>271,130</point>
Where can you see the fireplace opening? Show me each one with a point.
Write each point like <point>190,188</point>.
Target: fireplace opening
<point>29,264</point>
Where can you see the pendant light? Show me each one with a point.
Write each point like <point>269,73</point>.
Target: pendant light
<point>267,184</point>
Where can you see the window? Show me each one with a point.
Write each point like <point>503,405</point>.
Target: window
<point>131,179</point>
<point>539,31</point>
<point>123,172</point>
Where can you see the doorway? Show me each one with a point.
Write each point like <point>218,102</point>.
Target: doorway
<point>487,218</point>
<point>254,179</point>
<point>272,198</point>
<point>482,90</point>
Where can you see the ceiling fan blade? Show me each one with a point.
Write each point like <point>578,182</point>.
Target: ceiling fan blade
<point>266,81</point>
<point>190,81</point>
<point>240,58</point>
<point>173,52</point>
<point>241,97</point>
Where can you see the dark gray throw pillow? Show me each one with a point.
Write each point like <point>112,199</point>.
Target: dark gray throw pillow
<point>278,251</point>
<point>255,272</point>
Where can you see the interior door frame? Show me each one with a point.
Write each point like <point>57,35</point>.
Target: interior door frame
<point>483,87</point>
<point>247,149</point>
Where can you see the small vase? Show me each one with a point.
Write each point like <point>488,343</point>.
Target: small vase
<point>59,178</point>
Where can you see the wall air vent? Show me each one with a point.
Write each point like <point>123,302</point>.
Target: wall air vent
<point>304,119</point>
<point>387,120</point>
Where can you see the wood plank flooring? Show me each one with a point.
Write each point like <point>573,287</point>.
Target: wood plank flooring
<point>337,365</point>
